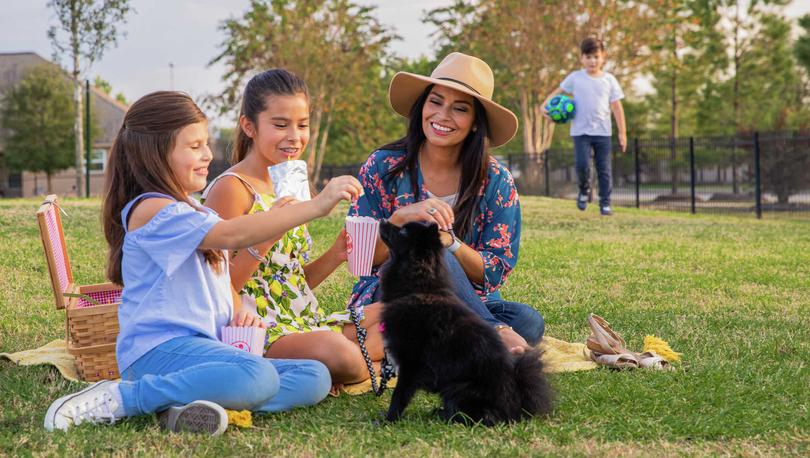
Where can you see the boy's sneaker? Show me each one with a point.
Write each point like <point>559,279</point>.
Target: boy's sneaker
<point>196,417</point>
<point>582,201</point>
<point>606,211</point>
<point>94,404</point>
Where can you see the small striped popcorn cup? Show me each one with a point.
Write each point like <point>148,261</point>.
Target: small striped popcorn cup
<point>361,238</point>
<point>251,339</point>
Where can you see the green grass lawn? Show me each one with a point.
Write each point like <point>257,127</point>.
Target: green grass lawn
<point>732,294</point>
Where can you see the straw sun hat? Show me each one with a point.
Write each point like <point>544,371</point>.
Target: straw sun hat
<point>463,73</point>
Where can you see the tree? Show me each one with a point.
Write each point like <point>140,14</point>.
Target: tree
<point>106,88</point>
<point>532,44</point>
<point>337,46</point>
<point>85,29</point>
<point>37,115</point>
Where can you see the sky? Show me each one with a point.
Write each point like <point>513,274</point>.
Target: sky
<point>185,33</point>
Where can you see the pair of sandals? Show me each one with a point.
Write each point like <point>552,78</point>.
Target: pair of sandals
<point>608,349</point>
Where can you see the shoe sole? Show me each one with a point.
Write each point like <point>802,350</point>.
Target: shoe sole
<point>56,405</point>
<point>197,417</point>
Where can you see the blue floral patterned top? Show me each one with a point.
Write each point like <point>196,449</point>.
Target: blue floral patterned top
<point>495,232</point>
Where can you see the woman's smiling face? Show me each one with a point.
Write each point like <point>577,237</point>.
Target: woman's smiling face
<point>447,116</point>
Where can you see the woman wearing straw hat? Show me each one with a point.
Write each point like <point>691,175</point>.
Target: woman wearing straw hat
<point>441,172</point>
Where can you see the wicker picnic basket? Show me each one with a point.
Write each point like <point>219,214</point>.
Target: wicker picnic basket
<point>91,310</point>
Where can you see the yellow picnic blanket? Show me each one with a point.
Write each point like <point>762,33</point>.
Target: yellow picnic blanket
<point>558,356</point>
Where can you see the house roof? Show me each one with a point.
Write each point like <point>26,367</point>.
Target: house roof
<point>110,112</point>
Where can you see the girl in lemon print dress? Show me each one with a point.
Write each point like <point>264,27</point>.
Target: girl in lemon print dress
<point>277,277</point>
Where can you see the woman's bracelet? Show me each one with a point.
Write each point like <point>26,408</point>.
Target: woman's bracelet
<point>255,253</point>
<point>499,327</point>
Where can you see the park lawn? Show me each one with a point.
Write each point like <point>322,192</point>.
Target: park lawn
<point>731,293</point>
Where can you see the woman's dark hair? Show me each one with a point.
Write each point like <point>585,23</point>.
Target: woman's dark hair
<point>139,163</point>
<point>591,45</point>
<point>474,159</point>
<point>276,81</point>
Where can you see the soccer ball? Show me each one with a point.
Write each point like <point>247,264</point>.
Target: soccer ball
<point>561,108</point>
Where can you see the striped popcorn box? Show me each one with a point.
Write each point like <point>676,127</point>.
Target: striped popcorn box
<point>250,339</point>
<point>361,238</point>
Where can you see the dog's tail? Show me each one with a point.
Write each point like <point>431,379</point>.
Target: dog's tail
<point>536,395</point>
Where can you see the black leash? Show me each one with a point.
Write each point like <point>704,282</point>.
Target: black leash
<point>386,368</point>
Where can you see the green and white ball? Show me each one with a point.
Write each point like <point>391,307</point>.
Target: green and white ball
<point>561,108</point>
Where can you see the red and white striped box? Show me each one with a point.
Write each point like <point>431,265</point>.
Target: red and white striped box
<point>251,339</point>
<point>361,238</point>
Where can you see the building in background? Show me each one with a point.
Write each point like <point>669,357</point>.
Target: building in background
<point>108,111</point>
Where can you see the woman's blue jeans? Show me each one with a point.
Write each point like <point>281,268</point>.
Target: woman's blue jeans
<point>525,320</point>
<point>186,369</point>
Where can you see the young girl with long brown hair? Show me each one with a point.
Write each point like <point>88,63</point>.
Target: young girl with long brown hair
<point>276,278</point>
<point>169,253</point>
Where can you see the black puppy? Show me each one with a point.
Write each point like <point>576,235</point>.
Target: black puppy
<point>441,346</point>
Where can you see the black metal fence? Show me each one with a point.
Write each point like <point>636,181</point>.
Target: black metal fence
<point>756,174</point>
<point>743,174</point>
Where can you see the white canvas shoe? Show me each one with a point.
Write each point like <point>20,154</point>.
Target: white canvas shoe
<point>195,417</point>
<point>94,404</point>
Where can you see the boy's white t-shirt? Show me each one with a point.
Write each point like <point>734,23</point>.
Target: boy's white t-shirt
<point>593,96</point>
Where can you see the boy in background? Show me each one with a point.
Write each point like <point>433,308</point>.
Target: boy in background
<point>596,93</point>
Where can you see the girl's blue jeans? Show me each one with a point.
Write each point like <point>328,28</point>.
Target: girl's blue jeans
<point>186,369</point>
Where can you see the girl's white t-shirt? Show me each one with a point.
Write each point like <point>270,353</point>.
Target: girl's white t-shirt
<point>592,96</point>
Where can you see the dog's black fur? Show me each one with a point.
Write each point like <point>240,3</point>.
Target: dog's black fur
<point>441,346</point>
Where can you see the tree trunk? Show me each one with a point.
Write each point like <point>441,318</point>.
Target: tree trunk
<point>48,175</point>
<point>673,132</point>
<point>525,115</point>
<point>314,128</point>
<point>736,99</point>
<point>77,101</point>
<point>322,148</point>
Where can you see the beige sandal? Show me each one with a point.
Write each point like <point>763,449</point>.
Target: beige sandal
<point>651,360</point>
<point>620,361</point>
<point>608,348</point>
<point>604,340</point>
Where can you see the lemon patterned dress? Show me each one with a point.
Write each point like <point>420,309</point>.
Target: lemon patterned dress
<point>278,290</point>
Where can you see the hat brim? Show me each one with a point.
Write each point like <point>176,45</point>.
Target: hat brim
<point>406,87</point>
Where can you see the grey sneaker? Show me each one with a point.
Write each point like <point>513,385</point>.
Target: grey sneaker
<point>606,211</point>
<point>196,417</point>
<point>94,404</point>
<point>582,201</point>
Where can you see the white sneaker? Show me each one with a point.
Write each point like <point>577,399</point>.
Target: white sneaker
<point>195,417</point>
<point>94,404</point>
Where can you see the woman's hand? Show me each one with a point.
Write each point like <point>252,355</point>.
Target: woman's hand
<point>431,210</point>
<point>246,318</point>
<point>340,188</point>
<point>513,341</point>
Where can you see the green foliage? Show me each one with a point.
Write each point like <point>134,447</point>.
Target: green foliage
<point>86,27</point>
<point>730,293</point>
<point>38,116</point>
<point>337,46</point>
<point>106,87</point>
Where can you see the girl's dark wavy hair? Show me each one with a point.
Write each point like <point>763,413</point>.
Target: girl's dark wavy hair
<point>474,159</point>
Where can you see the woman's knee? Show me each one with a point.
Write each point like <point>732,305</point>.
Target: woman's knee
<point>531,326</point>
<point>525,320</point>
